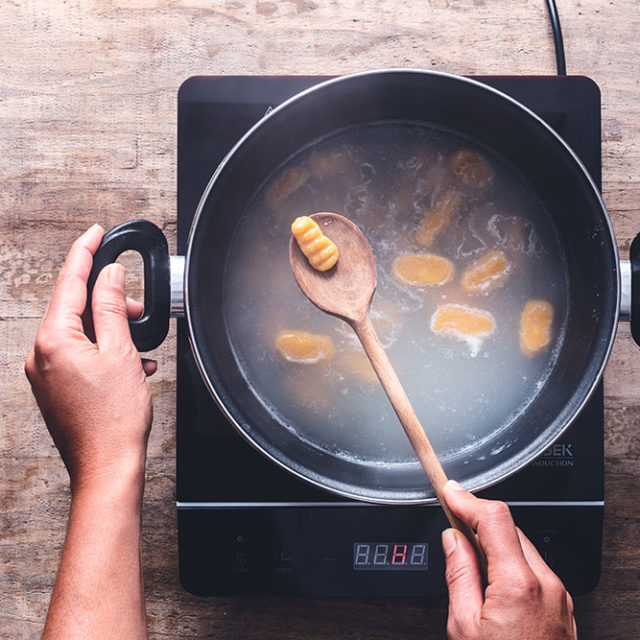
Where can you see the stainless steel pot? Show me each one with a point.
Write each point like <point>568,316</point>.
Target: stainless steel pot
<point>599,284</point>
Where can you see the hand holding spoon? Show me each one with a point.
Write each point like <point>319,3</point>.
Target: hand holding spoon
<point>346,291</point>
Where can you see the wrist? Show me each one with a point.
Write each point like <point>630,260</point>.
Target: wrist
<point>122,481</point>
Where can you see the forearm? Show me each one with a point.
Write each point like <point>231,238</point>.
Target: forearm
<point>99,589</point>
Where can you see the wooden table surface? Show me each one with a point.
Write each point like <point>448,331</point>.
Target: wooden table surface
<point>88,133</point>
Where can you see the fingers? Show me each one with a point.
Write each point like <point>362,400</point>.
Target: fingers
<point>134,309</point>
<point>464,583</point>
<point>109,309</point>
<point>574,625</point>
<point>70,295</point>
<point>30,368</point>
<point>149,366</point>
<point>535,561</point>
<point>496,531</point>
<point>545,575</point>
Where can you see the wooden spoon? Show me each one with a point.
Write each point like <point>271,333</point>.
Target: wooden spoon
<point>346,291</point>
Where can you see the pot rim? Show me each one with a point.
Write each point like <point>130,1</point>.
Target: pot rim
<point>535,452</point>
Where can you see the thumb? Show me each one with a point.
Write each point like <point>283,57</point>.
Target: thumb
<point>464,582</point>
<point>109,308</point>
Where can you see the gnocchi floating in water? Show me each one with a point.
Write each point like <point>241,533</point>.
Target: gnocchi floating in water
<point>510,232</point>
<point>333,162</point>
<point>423,269</point>
<point>438,218</point>
<point>331,404</point>
<point>356,364</point>
<point>304,347</point>
<point>487,273</point>
<point>321,253</point>
<point>420,157</point>
<point>471,168</point>
<point>464,323</point>
<point>535,327</point>
<point>285,185</point>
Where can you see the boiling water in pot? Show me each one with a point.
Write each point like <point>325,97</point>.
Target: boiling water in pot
<point>398,182</point>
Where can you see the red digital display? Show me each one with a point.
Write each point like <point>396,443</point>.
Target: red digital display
<point>391,555</point>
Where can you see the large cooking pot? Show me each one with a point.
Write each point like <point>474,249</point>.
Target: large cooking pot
<point>473,110</point>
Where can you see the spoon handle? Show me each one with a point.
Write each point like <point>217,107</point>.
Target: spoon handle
<point>419,441</point>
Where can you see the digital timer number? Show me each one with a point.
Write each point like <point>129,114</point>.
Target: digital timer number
<point>391,555</point>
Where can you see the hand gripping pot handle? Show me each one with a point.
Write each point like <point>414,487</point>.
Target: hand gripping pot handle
<point>150,330</point>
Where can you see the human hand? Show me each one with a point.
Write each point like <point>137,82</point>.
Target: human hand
<point>524,599</point>
<point>94,397</point>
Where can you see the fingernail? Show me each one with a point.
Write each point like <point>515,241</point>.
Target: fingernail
<point>449,542</point>
<point>454,485</point>
<point>116,276</point>
<point>93,228</point>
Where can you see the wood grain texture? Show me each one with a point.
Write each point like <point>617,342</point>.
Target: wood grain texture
<point>88,134</point>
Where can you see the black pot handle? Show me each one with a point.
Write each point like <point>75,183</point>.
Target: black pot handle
<point>150,330</point>
<point>634,258</point>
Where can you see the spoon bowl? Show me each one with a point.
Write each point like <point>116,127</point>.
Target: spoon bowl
<point>346,289</point>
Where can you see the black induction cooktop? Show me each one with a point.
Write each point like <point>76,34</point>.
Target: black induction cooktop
<point>245,526</point>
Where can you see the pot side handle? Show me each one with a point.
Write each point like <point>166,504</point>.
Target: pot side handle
<point>150,330</point>
<point>634,259</point>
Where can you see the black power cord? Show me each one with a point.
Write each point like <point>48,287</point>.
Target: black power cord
<point>557,37</point>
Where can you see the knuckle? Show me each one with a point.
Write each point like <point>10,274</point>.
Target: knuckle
<point>456,629</point>
<point>526,588</point>
<point>66,278</point>
<point>456,572</point>
<point>49,348</point>
<point>452,629</point>
<point>124,351</point>
<point>569,601</point>
<point>554,586</point>
<point>45,349</point>
<point>107,307</point>
<point>557,593</point>
<point>130,352</point>
<point>30,366</point>
<point>497,510</point>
